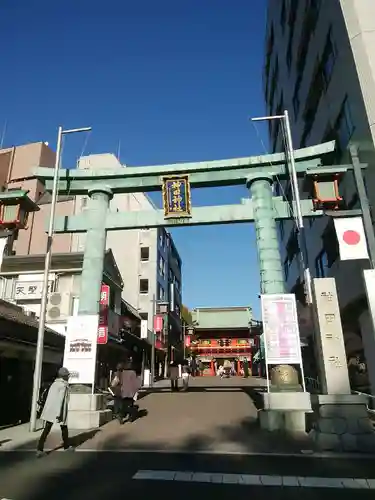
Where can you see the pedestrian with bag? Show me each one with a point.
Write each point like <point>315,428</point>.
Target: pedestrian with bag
<point>116,391</point>
<point>56,410</point>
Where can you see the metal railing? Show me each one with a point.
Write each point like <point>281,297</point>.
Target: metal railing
<point>370,402</point>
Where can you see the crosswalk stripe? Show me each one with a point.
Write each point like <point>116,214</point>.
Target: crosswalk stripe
<point>255,480</point>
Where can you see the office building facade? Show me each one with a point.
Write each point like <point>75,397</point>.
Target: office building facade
<point>320,65</point>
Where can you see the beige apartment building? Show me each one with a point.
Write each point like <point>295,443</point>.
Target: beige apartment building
<point>320,65</point>
<point>148,260</point>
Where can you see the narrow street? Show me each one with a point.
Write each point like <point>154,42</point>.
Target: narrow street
<point>205,441</point>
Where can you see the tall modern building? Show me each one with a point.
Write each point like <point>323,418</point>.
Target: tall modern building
<point>320,65</point>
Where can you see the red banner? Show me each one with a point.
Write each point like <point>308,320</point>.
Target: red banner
<point>158,323</point>
<point>103,314</point>
<point>187,340</point>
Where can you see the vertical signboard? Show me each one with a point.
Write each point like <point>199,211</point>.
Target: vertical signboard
<point>329,339</point>
<point>144,329</point>
<point>158,323</point>
<point>103,314</point>
<point>80,348</point>
<point>281,331</point>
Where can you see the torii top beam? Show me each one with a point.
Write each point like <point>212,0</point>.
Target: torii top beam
<point>201,174</point>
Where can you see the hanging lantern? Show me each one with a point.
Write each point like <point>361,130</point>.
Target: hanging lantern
<point>323,187</point>
<point>15,207</point>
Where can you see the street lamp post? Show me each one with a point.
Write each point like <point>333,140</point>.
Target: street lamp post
<point>47,266</point>
<point>296,198</point>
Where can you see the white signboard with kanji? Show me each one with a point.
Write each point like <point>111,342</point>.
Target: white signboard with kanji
<point>29,290</point>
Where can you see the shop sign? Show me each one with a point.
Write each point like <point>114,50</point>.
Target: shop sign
<point>30,290</point>
<point>80,348</point>
<point>103,314</point>
<point>158,323</point>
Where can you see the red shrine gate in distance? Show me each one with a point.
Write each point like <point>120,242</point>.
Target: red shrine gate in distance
<point>227,334</point>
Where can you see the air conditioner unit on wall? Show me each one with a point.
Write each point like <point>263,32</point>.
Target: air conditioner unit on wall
<point>59,306</point>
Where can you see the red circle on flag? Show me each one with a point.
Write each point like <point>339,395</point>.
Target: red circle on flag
<point>351,237</point>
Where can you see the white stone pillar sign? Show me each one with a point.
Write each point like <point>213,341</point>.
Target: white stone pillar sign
<point>329,339</point>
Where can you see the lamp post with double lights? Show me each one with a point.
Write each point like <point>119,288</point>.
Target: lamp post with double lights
<point>47,266</point>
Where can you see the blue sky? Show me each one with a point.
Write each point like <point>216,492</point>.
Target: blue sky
<point>169,81</point>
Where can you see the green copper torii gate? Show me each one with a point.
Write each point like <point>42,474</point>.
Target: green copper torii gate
<point>257,172</point>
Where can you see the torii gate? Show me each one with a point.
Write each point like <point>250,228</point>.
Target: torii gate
<point>264,209</point>
<point>256,172</point>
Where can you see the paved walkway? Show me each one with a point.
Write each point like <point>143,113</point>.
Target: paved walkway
<point>173,451</point>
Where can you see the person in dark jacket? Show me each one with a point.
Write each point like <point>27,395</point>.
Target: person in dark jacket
<point>245,368</point>
<point>116,389</point>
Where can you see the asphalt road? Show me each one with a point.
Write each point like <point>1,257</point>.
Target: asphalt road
<point>110,475</point>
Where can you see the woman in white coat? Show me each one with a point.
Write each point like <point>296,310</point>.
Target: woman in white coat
<point>56,410</point>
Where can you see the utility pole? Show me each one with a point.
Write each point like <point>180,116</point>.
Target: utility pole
<point>47,266</point>
<point>299,218</point>
<point>153,342</point>
<point>296,198</point>
<point>184,337</point>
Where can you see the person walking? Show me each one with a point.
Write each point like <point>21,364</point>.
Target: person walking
<point>173,375</point>
<point>116,391</point>
<point>245,368</point>
<point>56,410</point>
<point>185,375</point>
<point>129,386</point>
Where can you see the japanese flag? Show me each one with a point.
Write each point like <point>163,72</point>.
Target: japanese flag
<point>351,237</point>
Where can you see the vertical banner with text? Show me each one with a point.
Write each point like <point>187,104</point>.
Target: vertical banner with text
<point>103,314</point>
<point>81,347</point>
<point>281,330</point>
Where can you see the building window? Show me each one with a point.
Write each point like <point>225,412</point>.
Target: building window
<point>170,276</point>
<point>296,99</point>
<point>317,88</point>
<point>277,123</point>
<point>161,238</point>
<point>328,60</point>
<point>286,269</point>
<point>344,125</point>
<point>177,285</point>
<point>281,229</point>
<point>269,50</point>
<point>178,310</point>
<point>84,202</point>
<point>161,266</point>
<point>143,286</point>
<point>274,82</point>
<point>308,27</point>
<point>292,247</point>
<point>145,254</point>
<point>144,315</point>
<point>161,292</point>
<point>291,22</point>
<point>330,244</point>
<point>283,15</point>
<point>321,265</point>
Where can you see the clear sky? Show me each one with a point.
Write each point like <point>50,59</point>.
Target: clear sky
<point>160,82</point>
